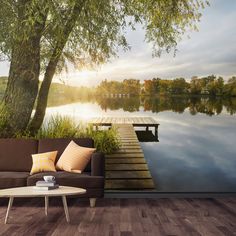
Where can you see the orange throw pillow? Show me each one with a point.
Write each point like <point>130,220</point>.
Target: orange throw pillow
<point>74,158</point>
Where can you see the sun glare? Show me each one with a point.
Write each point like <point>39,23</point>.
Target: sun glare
<point>78,111</point>
<point>86,112</point>
<point>84,74</point>
<point>82,78</point>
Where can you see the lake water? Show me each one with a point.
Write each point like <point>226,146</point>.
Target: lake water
<point>196,151</point>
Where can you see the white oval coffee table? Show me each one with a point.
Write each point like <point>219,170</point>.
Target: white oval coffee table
<point>30,191</point>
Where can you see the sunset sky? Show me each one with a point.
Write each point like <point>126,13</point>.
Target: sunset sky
<point>212,50</point>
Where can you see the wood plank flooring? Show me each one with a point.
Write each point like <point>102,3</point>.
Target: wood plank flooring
<point>126,169</point>
<point>122,217</point>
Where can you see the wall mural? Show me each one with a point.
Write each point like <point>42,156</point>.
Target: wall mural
<point>155,90</point>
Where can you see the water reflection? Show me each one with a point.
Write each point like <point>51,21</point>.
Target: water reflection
<point>206,105</point>
<point>147,136</point>
<point>196,152</point>
<point>199,104</point>
<point>127,104</point>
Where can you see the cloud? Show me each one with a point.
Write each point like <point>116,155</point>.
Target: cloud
<point>209,51</point>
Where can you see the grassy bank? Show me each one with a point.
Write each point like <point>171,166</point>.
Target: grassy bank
<point>65,127</point>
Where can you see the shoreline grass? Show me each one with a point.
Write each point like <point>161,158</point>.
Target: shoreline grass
<point>59,126</point>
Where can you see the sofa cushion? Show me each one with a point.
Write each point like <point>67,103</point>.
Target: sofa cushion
<point>59,144</point>
<point>13,179</point>
<point>15,154</point>
<point>84,180</point>
<point>75,158</point>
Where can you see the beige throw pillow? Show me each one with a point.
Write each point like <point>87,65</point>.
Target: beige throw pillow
<point>74,158</point>
<point>43,162</point>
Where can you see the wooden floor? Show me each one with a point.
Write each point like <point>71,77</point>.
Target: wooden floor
<point>123,217</point>
<point>126,169</point>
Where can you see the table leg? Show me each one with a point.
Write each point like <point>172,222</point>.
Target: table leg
<point>46,205</point>
<point>66,208</point>
<point>9,208</point>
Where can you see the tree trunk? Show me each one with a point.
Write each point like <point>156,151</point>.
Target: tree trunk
<point>42,99</point>
<point>22,86</point>
<point>41,106</point>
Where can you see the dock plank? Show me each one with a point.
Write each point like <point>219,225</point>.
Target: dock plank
<point>134,184</point>
<point>125,155</point>
<point>125,160</point>
<point>134,150</point>
<point>128,174</point>
<point>131,166</point>
<point>125,120</point>
<point>130,146</point>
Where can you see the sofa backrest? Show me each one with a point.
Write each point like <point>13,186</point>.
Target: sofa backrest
<point>59,144</point>
<point>15,154</point>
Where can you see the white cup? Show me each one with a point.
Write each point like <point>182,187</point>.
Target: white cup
<point>49,178</point>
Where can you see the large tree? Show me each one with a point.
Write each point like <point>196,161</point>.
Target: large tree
<point>41,36</point>
<point>20,39</point>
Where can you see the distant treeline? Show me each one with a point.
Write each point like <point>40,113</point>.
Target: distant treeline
<point>60,94</point>
<point>210,85</point>
<point>127,86</point>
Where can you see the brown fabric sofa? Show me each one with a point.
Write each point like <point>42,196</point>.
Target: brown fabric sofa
<point>16,163</point>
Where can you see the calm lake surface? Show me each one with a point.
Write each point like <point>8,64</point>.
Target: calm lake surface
<point>196,151</point>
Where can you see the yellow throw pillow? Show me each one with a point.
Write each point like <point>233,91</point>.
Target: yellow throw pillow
<point>74,158</point>
<point>43,162</point>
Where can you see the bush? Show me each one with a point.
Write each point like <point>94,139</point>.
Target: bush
<point>105,140</point>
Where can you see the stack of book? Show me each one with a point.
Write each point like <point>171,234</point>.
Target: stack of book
<point>43,185</point>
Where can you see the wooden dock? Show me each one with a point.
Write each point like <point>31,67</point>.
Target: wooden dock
<point>126,168</point>
<point>135,121</point>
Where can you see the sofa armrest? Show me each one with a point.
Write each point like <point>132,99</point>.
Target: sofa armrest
<point>98,164</point>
